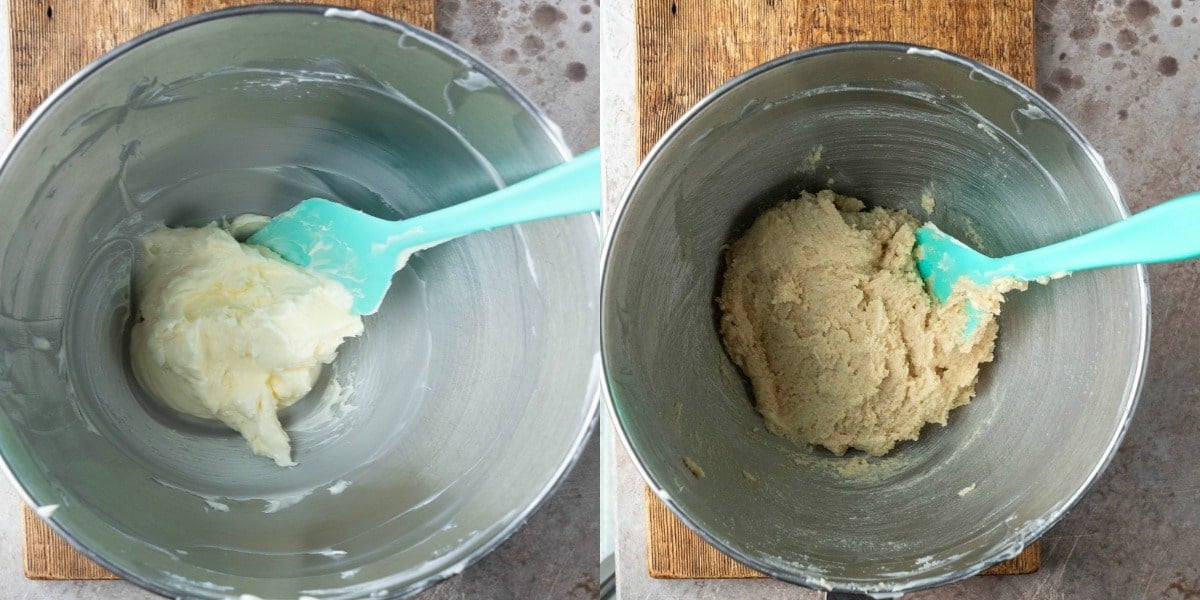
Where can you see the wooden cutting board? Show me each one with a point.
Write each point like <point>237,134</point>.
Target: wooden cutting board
<point>50,42</point>
<point>686,49</point>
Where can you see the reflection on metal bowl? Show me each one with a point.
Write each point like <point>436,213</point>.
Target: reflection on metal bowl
<point>886,123</point>
<point>431,438</point>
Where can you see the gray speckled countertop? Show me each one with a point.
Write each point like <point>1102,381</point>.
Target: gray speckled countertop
<point>1128,73</point>
<point>550,51</point>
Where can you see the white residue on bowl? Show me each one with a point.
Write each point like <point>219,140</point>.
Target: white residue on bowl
<point>360,15</point>
<point>984,127</point>
<point>929,52</point>
<point>330,552</point>
<point>966,490</point>
<point>468,81</point>
<point>1032,112</point>
<point>182,581</point>
<point>212,502</point>
<point>338,487</point>
<point>474,81</point>
<point>40,343</point>
<point>350,573</point>
<point>333,405</point>
<point>221,503</point>
<point>62,361</point>
<point>975,73</point>
<point>217,506</point>
<point>279,503</point>
<point>978,75</point>
<point>519,234</point>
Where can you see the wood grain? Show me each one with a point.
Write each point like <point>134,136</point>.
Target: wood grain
<point>48,556</point>
<point>676,552</point>
<point>687,49</point>
<point>50,42</point>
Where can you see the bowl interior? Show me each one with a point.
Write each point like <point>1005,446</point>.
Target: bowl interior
<point>460,407</point>
<point>888,126</point>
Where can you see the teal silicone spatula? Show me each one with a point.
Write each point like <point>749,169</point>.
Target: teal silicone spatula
<point>1164,233</point>
<point>363,252</point>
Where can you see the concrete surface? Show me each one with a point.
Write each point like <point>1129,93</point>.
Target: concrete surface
<point>1128,73</point>
<point>550,50</point>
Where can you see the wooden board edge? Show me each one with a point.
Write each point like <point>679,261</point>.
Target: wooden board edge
<point>47,556</point>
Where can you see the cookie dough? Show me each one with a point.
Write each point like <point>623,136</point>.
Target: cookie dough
<point>823,309</point>
<point>233,332</point>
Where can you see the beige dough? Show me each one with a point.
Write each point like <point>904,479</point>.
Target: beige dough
<point>823,309</point>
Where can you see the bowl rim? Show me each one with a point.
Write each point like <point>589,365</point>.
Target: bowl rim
<point>811,579</point>
<point>553,133</point>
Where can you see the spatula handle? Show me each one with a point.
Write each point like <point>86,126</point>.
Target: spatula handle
<point>1164,233</point>
<point>570,188</point>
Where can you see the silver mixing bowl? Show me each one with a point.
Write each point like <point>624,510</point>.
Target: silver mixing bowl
<point>886,123</point>
<point>470,394</point>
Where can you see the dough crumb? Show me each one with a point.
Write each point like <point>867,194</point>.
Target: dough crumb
<point>693,467</point>
<point>1055,275</point>
<point>854,466</point>
<point>928,203</point>
<point>751,477</point>
<point>971,234</point>
<point>966,490</point>
<point>813,159</point>
<point>823,309</point>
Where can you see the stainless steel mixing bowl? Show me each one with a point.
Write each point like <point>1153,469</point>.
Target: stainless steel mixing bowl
<point>886,123</point>
<point>463,404</point>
